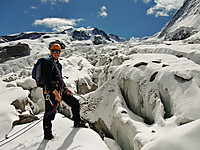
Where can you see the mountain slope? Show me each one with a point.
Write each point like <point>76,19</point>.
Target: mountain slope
<point>185,22</point>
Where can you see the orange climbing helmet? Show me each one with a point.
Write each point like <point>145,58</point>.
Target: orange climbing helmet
<point>55,47</point>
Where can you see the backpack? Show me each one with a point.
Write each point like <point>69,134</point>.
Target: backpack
<point>37,72</point>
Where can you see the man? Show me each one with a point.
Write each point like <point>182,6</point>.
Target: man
<point>55,91</point>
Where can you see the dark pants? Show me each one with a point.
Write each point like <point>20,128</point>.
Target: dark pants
<point>50,110</point>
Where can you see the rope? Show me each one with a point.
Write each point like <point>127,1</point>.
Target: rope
<point>28,127</point>
<point>6,136</point>
<point>20,133</point>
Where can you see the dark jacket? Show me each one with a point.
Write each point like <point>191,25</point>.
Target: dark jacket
<point>50,75</point>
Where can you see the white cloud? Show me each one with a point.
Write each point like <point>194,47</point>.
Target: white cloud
<point>146,1</point>
<point>65,1</point>
<point>164,7</point>
<point>33,7</point>
<point>57,24</point>
<point>103,12</point>
<point>54,1</point>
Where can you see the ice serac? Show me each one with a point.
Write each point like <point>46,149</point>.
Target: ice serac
<point>146,90</point>
<point>184,23</point>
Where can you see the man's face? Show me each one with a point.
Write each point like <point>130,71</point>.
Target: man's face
<point>55,53</point>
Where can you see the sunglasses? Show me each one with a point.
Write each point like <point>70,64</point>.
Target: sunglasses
<point>56,51</point>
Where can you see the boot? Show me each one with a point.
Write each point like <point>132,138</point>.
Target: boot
<point>47,133</point>
<point>79,124</point>
<point>48,137</point>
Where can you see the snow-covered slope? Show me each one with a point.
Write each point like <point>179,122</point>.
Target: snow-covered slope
<point>184,23</point>
<point>66,137</point>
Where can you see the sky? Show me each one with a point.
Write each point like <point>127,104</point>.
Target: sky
<point>125,18</point>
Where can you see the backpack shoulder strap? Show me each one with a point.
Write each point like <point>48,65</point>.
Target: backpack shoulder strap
<point>58,70</point>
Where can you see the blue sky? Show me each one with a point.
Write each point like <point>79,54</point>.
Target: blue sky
<point>125,18</point>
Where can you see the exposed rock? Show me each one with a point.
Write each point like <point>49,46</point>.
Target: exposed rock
<point>3,40</point>
<point>80,35</point>
<point>98,40</point>
<point>18,104</point>
<point>25,119</point>
<point>23,35</point>
<point>180,34</point>
<point>46,36</point>
<point>96,31</point>
<point>97,36</point>
<point>116,38</point>
<point>10,52</point>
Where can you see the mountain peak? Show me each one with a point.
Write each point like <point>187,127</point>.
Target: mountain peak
<point>96,35</point>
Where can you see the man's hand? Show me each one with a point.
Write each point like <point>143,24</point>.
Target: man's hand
<point>57,95</point>
<point>69,92</point>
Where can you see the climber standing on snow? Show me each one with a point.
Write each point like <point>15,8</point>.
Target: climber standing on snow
<point>55,91</point>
